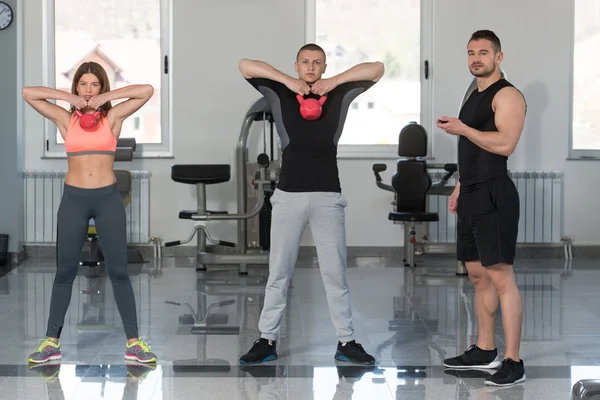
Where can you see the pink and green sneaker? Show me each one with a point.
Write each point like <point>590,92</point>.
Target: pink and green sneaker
<point>47,351</point>
<point>139,351</point>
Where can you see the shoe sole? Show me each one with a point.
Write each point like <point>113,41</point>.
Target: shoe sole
<point>492,365</point>
<point>51,358</point>
<point>346,359</point>
<point>267,359</point>
<point>490,383</point>
<point>48,364</point>
<point>134,358</point>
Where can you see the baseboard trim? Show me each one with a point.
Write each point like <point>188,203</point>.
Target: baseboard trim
<point>16,258</point>
<point>524,251</point>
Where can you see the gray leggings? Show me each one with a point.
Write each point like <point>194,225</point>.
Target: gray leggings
<point>76,208</point>
<point>325,213</point>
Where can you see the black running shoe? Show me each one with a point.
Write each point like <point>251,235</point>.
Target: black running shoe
<point>474,357</point>
<point>353,352</point>
<point>510,373</point>
<point>262,351</point>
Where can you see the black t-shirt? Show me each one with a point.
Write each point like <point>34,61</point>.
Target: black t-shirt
<point>477,166</point>
<point>309,160</point>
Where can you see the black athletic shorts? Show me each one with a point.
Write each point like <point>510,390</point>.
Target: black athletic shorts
<point>488,223</point>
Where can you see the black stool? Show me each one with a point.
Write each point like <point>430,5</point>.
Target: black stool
<point>200,175</point>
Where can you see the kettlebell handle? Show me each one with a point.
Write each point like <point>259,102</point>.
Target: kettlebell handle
<point>301,99</point>
<point>79,113</point>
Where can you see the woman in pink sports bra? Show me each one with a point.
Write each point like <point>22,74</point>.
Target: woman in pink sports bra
<point>90,191</point>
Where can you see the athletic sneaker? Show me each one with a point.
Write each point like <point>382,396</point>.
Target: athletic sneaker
<point>262,351</point>
<point>139,351</point>
<point>510,373</point>
<point>47,351</point>
<point>474,357</point>
<point>353,352</point>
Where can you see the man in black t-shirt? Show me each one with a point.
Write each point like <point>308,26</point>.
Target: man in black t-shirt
<point>487,204</point>
<point>309,190</point>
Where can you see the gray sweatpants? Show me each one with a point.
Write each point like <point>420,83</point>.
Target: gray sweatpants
<point>324,211</point>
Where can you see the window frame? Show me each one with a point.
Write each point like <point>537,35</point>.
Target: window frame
<point>373,151</point>
<point>164,149</point>
<point>575,154</point>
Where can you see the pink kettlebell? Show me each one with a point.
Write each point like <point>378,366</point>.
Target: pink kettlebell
<point>311,109</point>
<point>88,121</point>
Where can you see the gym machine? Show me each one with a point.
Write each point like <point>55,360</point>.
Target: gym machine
<point>439,188</point>
<point>412,175</point>
<point>263,182</point>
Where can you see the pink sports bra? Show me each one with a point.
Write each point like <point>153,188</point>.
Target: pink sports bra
<point>99,140</point>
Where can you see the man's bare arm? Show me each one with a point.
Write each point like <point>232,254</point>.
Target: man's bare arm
<point>369,71</point>
<point>260,69</point>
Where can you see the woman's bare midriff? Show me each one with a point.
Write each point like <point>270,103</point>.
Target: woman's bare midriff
<point>90,171</point>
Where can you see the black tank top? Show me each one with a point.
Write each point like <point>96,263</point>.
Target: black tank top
<point>476,166</point>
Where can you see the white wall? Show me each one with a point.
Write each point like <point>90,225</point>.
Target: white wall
<point>210,99</point>
<point>11,133</point>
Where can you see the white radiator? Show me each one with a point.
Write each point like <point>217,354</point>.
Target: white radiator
<point>43,192</point>
<point>541,201</point>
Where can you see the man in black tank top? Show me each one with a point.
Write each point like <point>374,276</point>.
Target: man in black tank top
<point>309,191</point>
<point>487,203</point>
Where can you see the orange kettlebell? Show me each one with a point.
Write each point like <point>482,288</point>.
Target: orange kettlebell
<point>311,109</point>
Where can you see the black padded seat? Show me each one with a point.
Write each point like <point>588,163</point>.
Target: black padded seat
<point>208,174</point>
<point>414,217</point>
<point>188,214</point>
<point>411,181</point>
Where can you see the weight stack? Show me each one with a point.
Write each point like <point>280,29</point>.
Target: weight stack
<point>264,222</point>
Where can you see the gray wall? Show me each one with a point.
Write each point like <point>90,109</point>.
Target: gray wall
<point>210,99</point>
<point>11,132</point>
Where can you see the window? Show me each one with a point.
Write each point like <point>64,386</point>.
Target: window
<point>130,40</point>
<point>396,32</point>
<point>585,123</point>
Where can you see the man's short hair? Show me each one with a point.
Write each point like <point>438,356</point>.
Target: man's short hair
<point>312,46</point>
<point>488,35</point>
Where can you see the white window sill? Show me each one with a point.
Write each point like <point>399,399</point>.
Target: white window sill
<point>583,158</point>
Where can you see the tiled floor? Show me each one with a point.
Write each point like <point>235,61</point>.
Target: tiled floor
<point>409,319</point>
